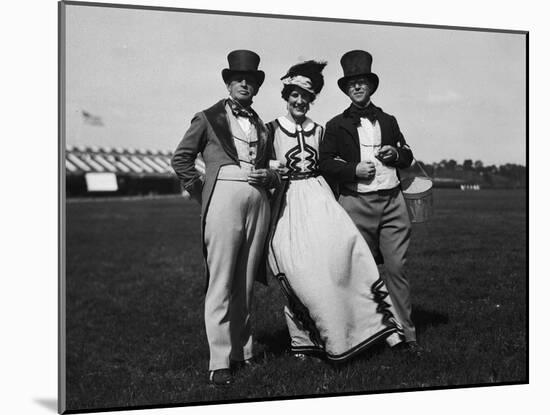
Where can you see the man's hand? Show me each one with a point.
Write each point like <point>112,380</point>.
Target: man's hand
<point>365,170</point>
<point>261,178</point>
<point>387,154</point>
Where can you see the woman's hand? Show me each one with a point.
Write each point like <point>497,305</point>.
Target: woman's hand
<point>278,166</point>
<point>262,178</point>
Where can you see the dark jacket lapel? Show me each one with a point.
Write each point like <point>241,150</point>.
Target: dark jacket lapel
<point>263,150</point>
<point>217,117</point>
<point>349,125</point>
<point>385,129</point>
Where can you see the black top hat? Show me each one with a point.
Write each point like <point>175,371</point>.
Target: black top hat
<point>357,63</point>
<point>243,61</point>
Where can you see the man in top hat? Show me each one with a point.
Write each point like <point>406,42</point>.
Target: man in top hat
<point>234,209</point>
<point>359,155</point>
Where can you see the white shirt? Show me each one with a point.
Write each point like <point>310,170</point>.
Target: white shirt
<point>244,123</point>
<point>370,141</point>
<point>244,138</point>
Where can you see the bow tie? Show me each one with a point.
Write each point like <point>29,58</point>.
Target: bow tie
<point>370,112</point>
<point>239,111</point>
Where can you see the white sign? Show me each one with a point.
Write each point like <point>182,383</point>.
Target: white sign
<point>101,182</point>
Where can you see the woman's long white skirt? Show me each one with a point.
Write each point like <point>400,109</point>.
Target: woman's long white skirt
<point>337,303</point>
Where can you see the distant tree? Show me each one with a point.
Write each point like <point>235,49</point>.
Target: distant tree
<point>451,164</point>
<point>468,164</point>
<point>505,170</point>
<point>478,165</point>
<point>515,173</point>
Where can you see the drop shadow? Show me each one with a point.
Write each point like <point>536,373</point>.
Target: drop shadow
<point>48,403</point>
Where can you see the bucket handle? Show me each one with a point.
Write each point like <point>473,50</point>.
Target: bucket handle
<point>421,169</point>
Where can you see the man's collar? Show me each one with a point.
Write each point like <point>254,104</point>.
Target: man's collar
<point>238,104</point>
<point>370,105</point>
<point>362,106</point>
<point>239,111</point>
<point>356,113</point>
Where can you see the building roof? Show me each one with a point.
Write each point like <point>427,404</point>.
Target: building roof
<point>134,162</point>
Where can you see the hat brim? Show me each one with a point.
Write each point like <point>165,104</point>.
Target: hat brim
<point>259,75</point>
<point>371,76</point>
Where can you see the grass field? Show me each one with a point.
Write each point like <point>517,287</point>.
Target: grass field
<point>135,303</point>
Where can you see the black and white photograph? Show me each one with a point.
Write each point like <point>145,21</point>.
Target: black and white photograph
<point>342,204</point>
<point>262,207</point>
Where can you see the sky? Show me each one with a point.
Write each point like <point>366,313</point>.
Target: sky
<point>457,94</point>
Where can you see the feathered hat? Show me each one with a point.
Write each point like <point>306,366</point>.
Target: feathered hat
<point>306,75</point>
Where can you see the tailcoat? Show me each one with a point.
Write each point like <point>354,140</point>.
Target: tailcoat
<point>210,135</point>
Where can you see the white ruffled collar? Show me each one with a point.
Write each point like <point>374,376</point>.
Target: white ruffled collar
<point>290,126</point>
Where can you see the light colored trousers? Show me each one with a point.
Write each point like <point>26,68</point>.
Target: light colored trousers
<point>235,232</point>
<point>384,222</point>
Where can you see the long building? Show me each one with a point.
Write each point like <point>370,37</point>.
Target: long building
<point>105,171</point>
<point>118,171</point>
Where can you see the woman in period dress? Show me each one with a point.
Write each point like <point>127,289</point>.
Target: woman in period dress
<point>337,305</point>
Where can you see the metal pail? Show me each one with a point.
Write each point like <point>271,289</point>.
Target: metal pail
<point>418,197</point>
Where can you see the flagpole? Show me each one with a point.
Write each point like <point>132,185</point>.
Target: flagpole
<point>79,129</point>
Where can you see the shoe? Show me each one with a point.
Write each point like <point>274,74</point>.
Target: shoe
<point>307,357</point>
<point>299,356</point>
<point>220,377</point>
<point>248,363</point>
